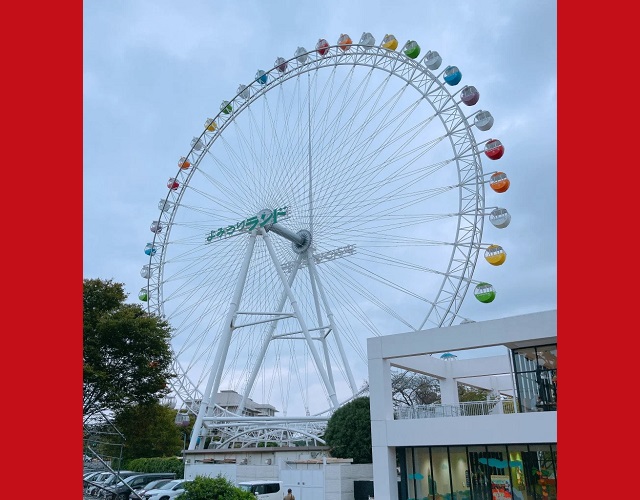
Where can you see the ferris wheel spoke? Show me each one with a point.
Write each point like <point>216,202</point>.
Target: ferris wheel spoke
<point>363,161</point>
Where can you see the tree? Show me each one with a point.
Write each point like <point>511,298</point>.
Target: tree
<point>207,488</point>
<point>410,388</point>
<point>150,431</point>
<point>468,393</point>
<point>126,352</point>
<point>348,432</point>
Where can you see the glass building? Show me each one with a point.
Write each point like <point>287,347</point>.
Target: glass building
<point>500,447</point>
<point>523,471</point>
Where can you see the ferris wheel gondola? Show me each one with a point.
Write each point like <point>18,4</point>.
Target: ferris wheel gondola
<point>338,195</point>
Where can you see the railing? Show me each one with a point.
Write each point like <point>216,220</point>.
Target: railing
<point>466,409</point>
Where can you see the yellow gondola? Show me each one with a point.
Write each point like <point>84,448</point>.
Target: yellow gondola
<point>495,255</point>
<point>210,125</point>
<point>390,42</point>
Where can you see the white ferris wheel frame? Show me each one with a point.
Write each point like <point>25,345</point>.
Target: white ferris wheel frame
<point>457,277</point>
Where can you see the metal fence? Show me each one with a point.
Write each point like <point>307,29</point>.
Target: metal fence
<point>466,409</point>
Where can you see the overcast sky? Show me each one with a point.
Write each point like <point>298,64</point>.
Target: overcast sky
<point>154,70</point>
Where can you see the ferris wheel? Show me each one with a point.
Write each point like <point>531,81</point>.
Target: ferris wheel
<point>339,195</point>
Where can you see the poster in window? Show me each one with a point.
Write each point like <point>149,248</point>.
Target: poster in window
<point>501,488</point>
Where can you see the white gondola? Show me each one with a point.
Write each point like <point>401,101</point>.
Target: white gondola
<point>500,218</point>
<point>483,120</point>
<point>145,272</point>
<point>165,205</point>
<point>244,92</point>
<point>432,60</point>
<point>301,55</point>
<point>367,39</point>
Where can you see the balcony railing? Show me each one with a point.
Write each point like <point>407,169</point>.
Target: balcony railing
<point>466,409</point>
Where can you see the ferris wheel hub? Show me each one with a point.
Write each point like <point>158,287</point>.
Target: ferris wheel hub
<point>300,241</point>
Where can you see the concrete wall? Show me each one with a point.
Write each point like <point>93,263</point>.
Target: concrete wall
<point>339,479</point>
<point>210,470</point>
<point>234,472</point>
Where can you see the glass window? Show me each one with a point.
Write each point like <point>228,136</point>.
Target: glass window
<point>441,472</point>
<point>460,478</point>
<point>536,377</point>
<point>516,472</point>
<point>543,471</point>
<point>272,488</point>
<point>498,462</point>
<point>480,473</point>
<point>422,477</point>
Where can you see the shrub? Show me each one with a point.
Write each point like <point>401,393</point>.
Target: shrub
<point>166,464</point>
<point>349,431</point>
<point>219,488</point>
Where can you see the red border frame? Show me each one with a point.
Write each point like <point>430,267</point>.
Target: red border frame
<point>43,228</point>
<point>42,240</point>
<point>597,302</point>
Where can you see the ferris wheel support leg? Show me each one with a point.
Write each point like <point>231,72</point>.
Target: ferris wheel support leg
<point>313,271</point>
<point>303,326</point>
<point>209,396</point>
<point>323,338</point>
<point>267,339</point>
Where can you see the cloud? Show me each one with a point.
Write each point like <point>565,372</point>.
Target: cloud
<point>154,71</point>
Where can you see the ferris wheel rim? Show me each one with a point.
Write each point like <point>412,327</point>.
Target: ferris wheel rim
<point>467,247</point>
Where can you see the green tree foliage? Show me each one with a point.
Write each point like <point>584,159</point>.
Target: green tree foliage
<point>468,393</point>
<point>150,431</point>
<point>349,431</point>
<point>220,488</point>
<point>170,464</point>
<point>127,357</point>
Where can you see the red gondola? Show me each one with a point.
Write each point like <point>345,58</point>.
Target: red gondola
<point>494,149</point>
<point>322,47</point>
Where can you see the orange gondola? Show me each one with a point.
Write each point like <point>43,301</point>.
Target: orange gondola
<point>499,182</point>
<point>183,163</point>
<point>344,42</point>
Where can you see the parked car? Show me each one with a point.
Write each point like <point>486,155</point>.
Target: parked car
<point>139,492</point>
<point>87,477</point>
<point>170,490</point>
<point>91,475</point>
<point>97,481</point>
<point>264,490</point>
<point>122,489</point>
<point>98,489</point>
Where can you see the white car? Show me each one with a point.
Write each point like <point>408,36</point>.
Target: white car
<point>264,490</point>
<point>170,490</point>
